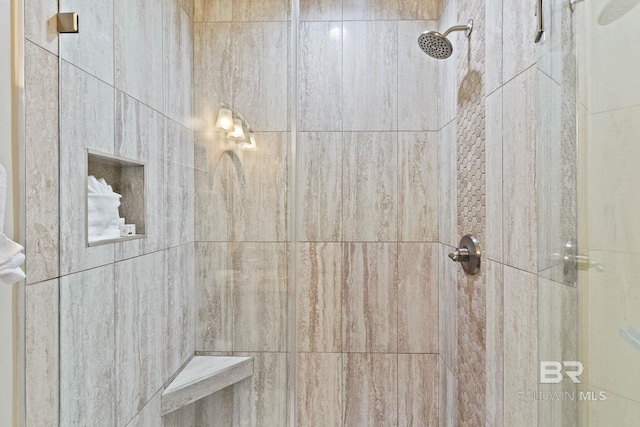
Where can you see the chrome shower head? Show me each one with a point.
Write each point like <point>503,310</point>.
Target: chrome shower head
<point>438,45</point>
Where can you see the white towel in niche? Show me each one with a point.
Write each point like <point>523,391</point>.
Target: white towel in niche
<point>11,253</point>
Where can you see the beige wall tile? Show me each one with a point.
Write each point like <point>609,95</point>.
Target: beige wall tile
<point>149,416</point>
<point>521,344</point>
<point>369,298</point>
<point>494,342</point>
<point>87,118</point>
<point>448,396</point>
<point>319,186</point>
<point>139,313</point>
<point>370,204</point>
<point>212,72</point>
<point>370,55</point>
<point>97,35</point>
<point>42,163</point>
<point>419,9</point>
<point>320,10</point>
<point>493,143</point>
<point>448,309</point>
<point>519,29</point>
<point>260,78</point>
<point>41,24</point>
<point>261,10</point>
<point>418,196</point>
<point>371,390</point>
<point>493,35</point>
<point>448,186</point>
<point>139,135</point>
<point>137,53</point>
<point>87,348</point>
<point>417,78</point>
<point>216,409</point>
<point>519,173</point>
<point>214,297</point>
<point>320,389</point>
<point>179,308</point>
<point>418,381</point>
<point>447,85</point>
<point>260,296</point>
<point>418,316</point>
<point>183,417</point>
<point>319,296</point>
<point>362,10</point>
<point>178,64</point>
<point>320,76</point>
<point>42,345</point>
<point>212,10</point>
<point>262,399</point>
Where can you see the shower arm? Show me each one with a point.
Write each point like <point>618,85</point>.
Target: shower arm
<point>466,28</point>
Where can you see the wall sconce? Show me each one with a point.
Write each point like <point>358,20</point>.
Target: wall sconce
<point>225,120</point>
<point>236,128</point>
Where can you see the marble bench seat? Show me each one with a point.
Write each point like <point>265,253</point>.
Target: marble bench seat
<point>202,376</point>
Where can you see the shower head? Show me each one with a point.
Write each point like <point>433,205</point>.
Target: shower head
<point>438,45</point>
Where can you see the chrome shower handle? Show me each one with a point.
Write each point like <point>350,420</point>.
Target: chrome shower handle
<point>540,22</point>
<point>469,254</point>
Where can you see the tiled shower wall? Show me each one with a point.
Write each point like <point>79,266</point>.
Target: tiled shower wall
<point>107,326</point>
<point>488,136</point>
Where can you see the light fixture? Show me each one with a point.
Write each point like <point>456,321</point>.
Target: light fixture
<point>251,145</point>
<point>238,131</point>
<point>225,120</point>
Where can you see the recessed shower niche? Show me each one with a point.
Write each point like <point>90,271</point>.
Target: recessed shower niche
<point>115,197</point>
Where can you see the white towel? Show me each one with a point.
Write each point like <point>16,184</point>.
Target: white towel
<point>11,253</point>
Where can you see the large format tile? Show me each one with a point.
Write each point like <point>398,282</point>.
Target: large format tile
<point>319,295</point>
<point>259,207</point>
<point>137,50</point>
<point>42,163</point>
<point>41,24</point>
<point>370,390</point>
<point>370,186</point>
<point>417,192</point>
<point>212,10</point>
<point>320,76</point>
<point>320,186</point>
<point>261,10</point>
<point>448,186</point>
<point>418,387</point>
<point>260,78</point>
<point>418,316</point>
<point>320,389</point>
<point>447,75</point>
<point>216,409</point>
<point>140,136</point>
<point>494,342</point>
<point>260,296</point>
<point>212,72</point>
<point>519,173</point>
<point>521,344</point>
<point>179,188</point>
<point>87,347</point>
<point>493,52</point>
<point>178,64</point>
<point>448,396</point>
<point>362,10</point>
<point>139,329</point>
<point>149,416</point>
<point>214,297</point>
<point>320,10</point>
<point>493,145</point>
<point>448,308</point>
<point>370,60</point>
<point>96,35</point>
<point>417,79</point>
<point>183,417</point>
<point>87,118</point>
<point>42,354</point>
<point>369,298</point>
<point>262,400</point>
<point>179,308</point>
<point>519,30</point>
